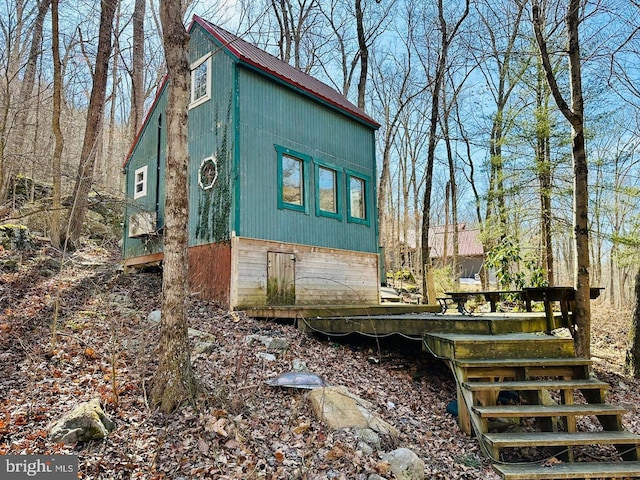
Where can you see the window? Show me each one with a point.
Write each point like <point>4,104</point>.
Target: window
<point>292,180</point>
<point>200,81</point>
<point>292,174</point>
<point>357,207</point>
<point>328,198</point>
<point>140,182</point>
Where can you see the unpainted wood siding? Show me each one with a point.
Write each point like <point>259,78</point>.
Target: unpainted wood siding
<point>271,114</point>
<point>323,276</point>
<point>212,135</point>
<point>145,153</point>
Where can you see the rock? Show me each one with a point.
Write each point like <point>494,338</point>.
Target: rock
<point>267,357</point>
<point>405,464</point>
<point>85,423</point>
<point>155,316</point>
<point>369,437</point>
<point>10,265</point>
<point>203,342</point>
<point>375,476</point>
<point>299,365</point>
<point>365,448</point>
<point>339,408</point>
<point>16,237</point>
<point>203,347</point>
<point>271,343</point>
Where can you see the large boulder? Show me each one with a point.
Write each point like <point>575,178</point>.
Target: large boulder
<point>339,409</point>
<point>16,237</point>
<point>405,464</point>
<point>84,423</point>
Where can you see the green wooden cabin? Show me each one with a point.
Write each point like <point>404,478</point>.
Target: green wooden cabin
<point>282,183</point>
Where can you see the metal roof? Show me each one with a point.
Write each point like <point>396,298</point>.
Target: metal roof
<point>469,244</point>
<point>254,57</point>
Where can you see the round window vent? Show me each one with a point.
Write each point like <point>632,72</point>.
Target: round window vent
<point>208,173</point>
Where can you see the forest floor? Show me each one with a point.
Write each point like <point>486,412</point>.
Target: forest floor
<point>104,346</point>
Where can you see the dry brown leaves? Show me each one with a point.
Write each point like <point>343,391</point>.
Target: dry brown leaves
<point>241,428</point>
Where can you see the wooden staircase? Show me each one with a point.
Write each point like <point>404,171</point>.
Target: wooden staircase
<point>553,390</point>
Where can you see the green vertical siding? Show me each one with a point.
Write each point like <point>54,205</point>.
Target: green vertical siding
<point>273,115</point>
<point>240,126</point>
<point>211,134</point>
<point>146,153</point>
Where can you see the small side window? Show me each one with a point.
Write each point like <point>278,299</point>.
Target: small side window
<point>357,186</point>
<point>200,81</point>
<point>140,182</point>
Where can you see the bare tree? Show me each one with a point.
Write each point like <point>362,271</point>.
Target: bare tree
<point>56,203</point>
<point>295,21</point>
<point>543,170</point>
<point>94,123</point>
<point>447,35</point>
<point>575,116</point>
<point>28,81</point>
<point>501,26</point>
<point>174,382</point>
<point>137,68</point>
<point>394,89</point>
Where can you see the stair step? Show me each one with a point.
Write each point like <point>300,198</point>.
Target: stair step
<point>512,345</point>
<point>586,470</point>
<point>523,362</point>
<point>559,439</point>
<point>524,368</point>
<point>588,384</point>
<point>582,409</point>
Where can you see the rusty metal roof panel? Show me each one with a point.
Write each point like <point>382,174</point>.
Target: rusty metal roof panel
<point>259,59</point>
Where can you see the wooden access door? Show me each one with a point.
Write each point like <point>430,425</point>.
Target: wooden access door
<point>281,274</point>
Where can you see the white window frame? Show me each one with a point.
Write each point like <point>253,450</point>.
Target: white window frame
<point>194,102</point>
<point>143,182</point>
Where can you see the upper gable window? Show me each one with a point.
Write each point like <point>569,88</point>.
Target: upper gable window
<point>200,81</point>
<point>140,182</point>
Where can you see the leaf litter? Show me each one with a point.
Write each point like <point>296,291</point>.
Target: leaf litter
<point>241,428</point>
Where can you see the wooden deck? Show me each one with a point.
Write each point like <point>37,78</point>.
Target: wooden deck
<point>292,312</point>
<point>493,352</point>
<point>402,319</point>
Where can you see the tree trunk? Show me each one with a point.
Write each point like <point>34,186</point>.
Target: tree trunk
<point>26,89</point>
<point>94,124</point>
<point>137,68</point>
<point>447,37</point>
<point>543,167</point>
<point>632,363</point>
<point>56,203</point>
<point>575,116</point>
<point>364,55</point>
<point>174,382</point>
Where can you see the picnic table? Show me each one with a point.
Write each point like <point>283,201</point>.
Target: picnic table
<point>491,296</point>
<point>565,296</point>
